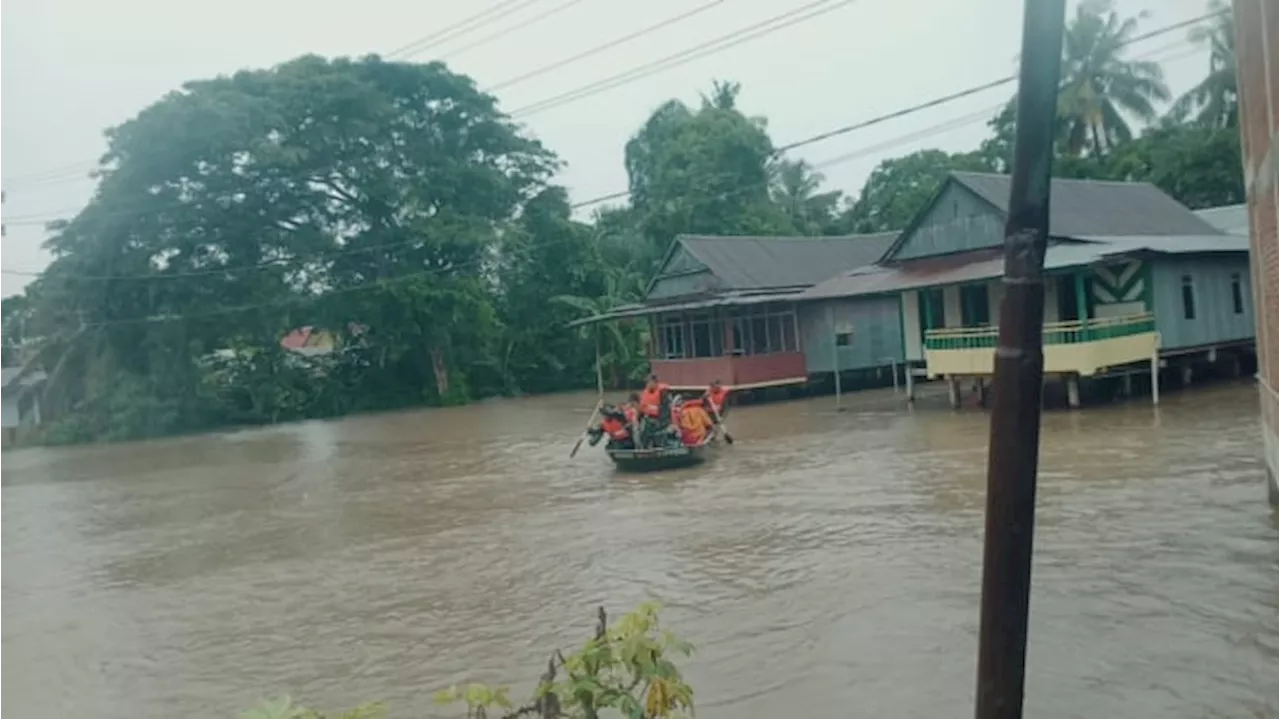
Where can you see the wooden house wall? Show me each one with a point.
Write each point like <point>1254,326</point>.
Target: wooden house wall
<point>1215,318</point>
<point>877,333</point>
<point>958,221</point>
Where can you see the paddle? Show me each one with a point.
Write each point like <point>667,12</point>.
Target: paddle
<point>591,421</point>
<point>720,421</point>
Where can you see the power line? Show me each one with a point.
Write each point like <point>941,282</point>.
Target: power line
<point>945,125</point>
<point>945,99</point>
<point>31,219</point>
<point>455,30</point>
<point>604,46</point>
<point>724,42</point>
<point>524,25</point>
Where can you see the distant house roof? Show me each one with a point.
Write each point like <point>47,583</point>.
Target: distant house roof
<point>760,263</point>
<point>988,263</point>
<point>16,377</point>
<point>1096,207</point>
<point>1232,219</point>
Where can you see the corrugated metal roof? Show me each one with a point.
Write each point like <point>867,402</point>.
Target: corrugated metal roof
<point>747,263</point>
<point>1096,207</point>
<point>1232,219</point>
<point>728,300</point>
<point>989,264</point>
<point>9,374</point>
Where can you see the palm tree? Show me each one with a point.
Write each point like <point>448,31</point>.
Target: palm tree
<point>621,344</point>
<point>794,187</point>
<point>1213,102</point>
<point>1099,86</point>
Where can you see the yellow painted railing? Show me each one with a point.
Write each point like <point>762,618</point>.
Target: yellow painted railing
<point>1055,333</point>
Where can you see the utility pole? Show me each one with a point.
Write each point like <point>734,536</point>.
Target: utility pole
<point>1014,449</point>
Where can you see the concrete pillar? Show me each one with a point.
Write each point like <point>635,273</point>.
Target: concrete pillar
<point>1128,384</point>
<point>953,391</point>
<point>909,376</point>
<point>1187,374</point>
<point>1073,391</point>
<point>982,392</point>
<point>1155,378</point>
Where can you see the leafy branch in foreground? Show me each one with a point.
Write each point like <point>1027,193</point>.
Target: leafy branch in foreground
<point>624,667</point>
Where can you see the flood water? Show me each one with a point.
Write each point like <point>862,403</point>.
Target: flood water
<point>827,565</point>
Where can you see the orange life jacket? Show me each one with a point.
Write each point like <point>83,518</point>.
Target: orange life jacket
<point>615,428</point>
<point>717,397</point>
<point>651,398</point>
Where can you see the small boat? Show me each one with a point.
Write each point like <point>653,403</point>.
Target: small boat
<point>656,459</point>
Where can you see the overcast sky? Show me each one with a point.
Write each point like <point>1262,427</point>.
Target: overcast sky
<point>72,68</point>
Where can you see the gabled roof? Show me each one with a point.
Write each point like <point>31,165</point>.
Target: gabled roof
<point>984,264</point>
<point>760,263</point>
<point>1095,207</point>
<point>1232,219</point>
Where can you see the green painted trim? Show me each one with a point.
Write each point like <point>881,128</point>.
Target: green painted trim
<point>1148,286</point>
<point>1082,302</point>
<point>902,322</point>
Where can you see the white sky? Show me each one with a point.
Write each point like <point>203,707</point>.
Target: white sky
<point>72,68</point>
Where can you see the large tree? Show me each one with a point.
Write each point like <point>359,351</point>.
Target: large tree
<point>704,170</point>
<point>352,193</point>
<point>1102,91</point>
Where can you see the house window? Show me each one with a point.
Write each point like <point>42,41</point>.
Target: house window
<point>706,336</point>
<point>671,338</point>
<point>975,306</point>
<point>844,339</point>
<point>1237,294</point>
<point>932,309</point>
<point>764,332</point>
<point>1188,298</point>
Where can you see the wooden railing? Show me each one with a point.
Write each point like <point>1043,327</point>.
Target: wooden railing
<point>1055,333</point>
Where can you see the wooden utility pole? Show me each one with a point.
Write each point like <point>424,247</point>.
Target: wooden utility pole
<point>1019,374</point>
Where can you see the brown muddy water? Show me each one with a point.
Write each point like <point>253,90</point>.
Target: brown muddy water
<point>827,565</point>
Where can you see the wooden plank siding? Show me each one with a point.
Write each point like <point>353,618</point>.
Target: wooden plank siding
<point>957,221</point>
<point>876,338</point>
<point>1216,319</point>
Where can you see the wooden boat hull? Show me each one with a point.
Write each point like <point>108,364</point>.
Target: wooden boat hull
<point>659,458</point>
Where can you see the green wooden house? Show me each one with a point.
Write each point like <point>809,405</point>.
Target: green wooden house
<point>1135,281</point>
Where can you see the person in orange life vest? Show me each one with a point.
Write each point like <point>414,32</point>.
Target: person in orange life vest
<point>652,396</point>
<point>694,423</point>
<point>655,408</point>
<point>614,425</point>
<point>717,399</point>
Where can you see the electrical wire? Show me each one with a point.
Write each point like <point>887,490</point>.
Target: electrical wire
<point>456,30</point>
<point>696,52</point>
<point>33,219</point>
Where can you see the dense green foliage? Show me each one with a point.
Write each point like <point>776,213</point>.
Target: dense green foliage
<point>624,669</point>
<point>395,206</point>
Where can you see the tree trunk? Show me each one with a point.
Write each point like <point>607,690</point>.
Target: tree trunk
<point>441,371</point>
<point>1097,140</point>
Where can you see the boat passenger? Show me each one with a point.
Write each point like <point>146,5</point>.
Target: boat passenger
<point>614,423</point>
<point>655,408</point>
<point>717,399</point>
<point>694,424</point>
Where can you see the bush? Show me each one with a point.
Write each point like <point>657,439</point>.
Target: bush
<point>625,667</point>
